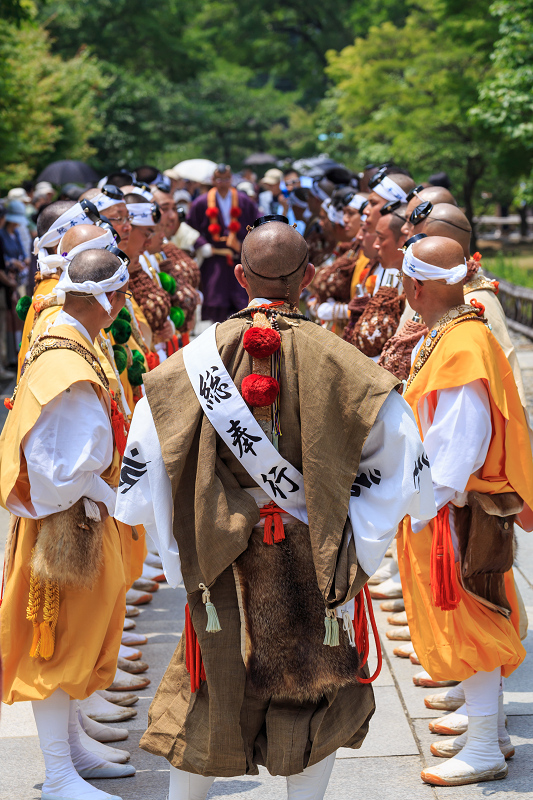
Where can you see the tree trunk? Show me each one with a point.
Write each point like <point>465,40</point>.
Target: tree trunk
<point>475,167</point>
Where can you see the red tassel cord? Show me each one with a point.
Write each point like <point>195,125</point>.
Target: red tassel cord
<point>443,578</point>
<point>193,655</point>
<point>274,530</point>
<point>120,427</point>
<point>361,632</point>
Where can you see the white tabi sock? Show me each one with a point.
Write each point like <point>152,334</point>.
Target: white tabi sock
<point>311,784</point>
<point>481,757</point>
<point>62,782</point>
<point>187,786</point>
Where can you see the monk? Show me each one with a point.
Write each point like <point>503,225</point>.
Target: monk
<point>63,610</point>
<point>46,220</point>
<point>447,220</point>
<point>421,197</point>
<point>275,497</point>
<point>386,186</point>
<point>464,397</point>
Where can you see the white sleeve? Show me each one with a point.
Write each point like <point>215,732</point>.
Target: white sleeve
<point>145,486</point>
<point>332,310</point>
<point>456,440</point>
<point>66,451</point>
<point>393,480</point>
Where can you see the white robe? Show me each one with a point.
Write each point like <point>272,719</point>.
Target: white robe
<point>67,449</point>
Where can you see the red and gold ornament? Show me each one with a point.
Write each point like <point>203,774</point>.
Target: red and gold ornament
<point>260,390</point>
<point>215,229</point>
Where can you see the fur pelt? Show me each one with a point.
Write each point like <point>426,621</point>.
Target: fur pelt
<point>284,613</point>
<point>485,532</point>
<point>69,548</point>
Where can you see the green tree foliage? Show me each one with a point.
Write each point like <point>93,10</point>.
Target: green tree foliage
<point>405,93</point>
<point>220,114</point>
<point>506,95</point>
<point>47,105</point>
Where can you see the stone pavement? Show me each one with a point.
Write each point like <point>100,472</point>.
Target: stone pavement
<point>388,765</point>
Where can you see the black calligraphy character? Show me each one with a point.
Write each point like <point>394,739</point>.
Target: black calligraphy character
<point>278,477</point>
<point>366,481</point>
<point>420,463</point>
<point>242,439</point>
<point>132,471</point>
<point>212,389</point>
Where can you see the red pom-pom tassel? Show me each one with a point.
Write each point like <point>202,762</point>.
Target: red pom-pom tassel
<point>261,342</point>
<point>8,403</point>
<point>259,390</point>
<point>234,226</point>
<point>212,213</point>
<point>214,229</point>
<point>152,360</point>
<point>235,212</point>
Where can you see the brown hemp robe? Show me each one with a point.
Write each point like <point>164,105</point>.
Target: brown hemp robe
<point>330,397</point>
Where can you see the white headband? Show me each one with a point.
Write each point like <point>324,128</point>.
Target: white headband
<point>140,213</point>
<point>50,264</point>
<point>389,190</point>
<point>143,192</point>
<point>416,268</point>
<point>357,201</point>
<point>334,216</point>
<point>98,290</point>
<point>318,191</point>
<point>74,216</point>
<point>103,201</point>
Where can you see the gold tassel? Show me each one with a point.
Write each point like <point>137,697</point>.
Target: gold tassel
<point>50,615</point>
<point>213,623</point>
<point>34,603</point>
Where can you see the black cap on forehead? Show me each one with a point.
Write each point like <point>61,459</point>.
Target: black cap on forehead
<point>223,168</point>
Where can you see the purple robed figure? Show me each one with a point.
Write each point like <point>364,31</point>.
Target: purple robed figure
<point>222,294</point>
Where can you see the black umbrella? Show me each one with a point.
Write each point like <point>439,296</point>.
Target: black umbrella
<point>258,159</point>
<point>61,172</point>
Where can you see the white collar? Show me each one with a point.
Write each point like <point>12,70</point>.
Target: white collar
<point>63,318</point>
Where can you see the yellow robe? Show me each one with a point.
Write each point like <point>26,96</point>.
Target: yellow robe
<point>90,622</point>
<point>360,264</point>
<point>471,638</point>
<point>43,289</point>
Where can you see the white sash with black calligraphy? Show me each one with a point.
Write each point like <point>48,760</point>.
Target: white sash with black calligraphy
<point>393,478</point>
<point>235,424</point>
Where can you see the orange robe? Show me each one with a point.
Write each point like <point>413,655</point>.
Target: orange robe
<point>90,622</point>
<point>471,638</point>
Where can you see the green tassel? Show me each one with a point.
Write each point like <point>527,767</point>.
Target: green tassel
<point>327,637</point>
<point>213,622</point>
<point>331,623</point>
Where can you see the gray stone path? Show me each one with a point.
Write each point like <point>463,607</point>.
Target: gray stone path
<point>388,765</point>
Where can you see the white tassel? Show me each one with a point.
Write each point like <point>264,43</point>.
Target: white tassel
<point>347,624</point>
<point>91,510</point>
<point>213,623</point>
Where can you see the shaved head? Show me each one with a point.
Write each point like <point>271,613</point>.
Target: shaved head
<point>439,251</point>
<point>437,194</point>
<point>93,265</point>
<point>405,182</point>
<point>89,194</point>
<point>449,221</point>
<point>51,213</point>
<point>79,234</point>
<point>274,250</point>
<point>274,260</point>
<point>433,299</point>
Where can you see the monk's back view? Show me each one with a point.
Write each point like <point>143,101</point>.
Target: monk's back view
<point>271,462</point>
